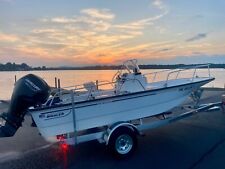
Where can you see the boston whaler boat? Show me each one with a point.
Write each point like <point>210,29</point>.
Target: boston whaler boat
<point>86,112</point>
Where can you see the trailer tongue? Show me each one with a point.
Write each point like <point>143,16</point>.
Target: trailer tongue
<point>28,91</point>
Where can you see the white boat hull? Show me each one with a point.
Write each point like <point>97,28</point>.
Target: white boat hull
<point>96,113</point>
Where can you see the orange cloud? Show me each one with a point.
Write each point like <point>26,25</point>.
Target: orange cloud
<point>8,37</point>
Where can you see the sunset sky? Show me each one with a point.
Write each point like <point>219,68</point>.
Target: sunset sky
<point>90,32</point>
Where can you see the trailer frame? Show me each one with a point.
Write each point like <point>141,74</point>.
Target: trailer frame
<point>105,134</point>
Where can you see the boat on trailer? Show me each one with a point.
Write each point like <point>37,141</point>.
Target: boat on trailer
<point>132,97</point>
<point>90,111</point>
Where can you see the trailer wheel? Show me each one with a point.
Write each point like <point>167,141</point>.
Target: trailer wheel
<point>123,142</point>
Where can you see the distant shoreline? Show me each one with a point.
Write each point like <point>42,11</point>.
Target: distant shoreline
<point>25,67</point>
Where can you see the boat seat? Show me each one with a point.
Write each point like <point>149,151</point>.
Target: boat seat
<point>90,86</point>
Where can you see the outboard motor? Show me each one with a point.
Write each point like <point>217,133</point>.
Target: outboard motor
<point>29,91</point>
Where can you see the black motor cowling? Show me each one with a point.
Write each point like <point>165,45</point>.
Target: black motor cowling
<point>29,91</point>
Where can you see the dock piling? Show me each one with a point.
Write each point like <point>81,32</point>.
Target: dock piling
<point>55,82</point>
<point>15,79</point>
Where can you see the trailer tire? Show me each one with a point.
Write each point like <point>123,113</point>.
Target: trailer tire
<point>123,142</point>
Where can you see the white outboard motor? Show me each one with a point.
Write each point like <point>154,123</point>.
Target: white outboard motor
<point>29,91</point>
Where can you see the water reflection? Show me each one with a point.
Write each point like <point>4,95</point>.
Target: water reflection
<point>75,77</point>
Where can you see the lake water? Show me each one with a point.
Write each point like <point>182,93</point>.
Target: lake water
<point>74,77</point>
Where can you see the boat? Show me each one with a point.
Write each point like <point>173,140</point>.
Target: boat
<point>92,105</point>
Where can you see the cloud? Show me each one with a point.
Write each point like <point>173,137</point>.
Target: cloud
<point>165,49</point>
<point>199,36</point>
<point>104,14</point>
<point>84,38</point>
<point>54,46</point>
<point>59,20</point>
<point>161,6</point>
<point>158,4</point>
<point>180,33</point>
<point>93,27</point>
<point>40,31</point>
<point>8,37</point>
<point>89,19</point>
<point>87,15</point>
<point>62,20</point>
<point>142,23</point>
<point>102,20</point>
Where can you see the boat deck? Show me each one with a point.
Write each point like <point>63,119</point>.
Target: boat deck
<point>80,96</point>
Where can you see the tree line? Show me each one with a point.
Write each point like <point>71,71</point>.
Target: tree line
<point>24,67</point>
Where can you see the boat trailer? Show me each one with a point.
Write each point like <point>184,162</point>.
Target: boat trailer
<point>121,137</point>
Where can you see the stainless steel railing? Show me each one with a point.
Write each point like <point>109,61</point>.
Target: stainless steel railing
<point>188,68</point>
<point>177,72</point>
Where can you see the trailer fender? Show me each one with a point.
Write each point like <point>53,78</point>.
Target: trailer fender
<point>117,126</point>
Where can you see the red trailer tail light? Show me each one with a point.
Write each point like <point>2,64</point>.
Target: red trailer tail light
<point>61,137</point>
<point>64,146</point>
